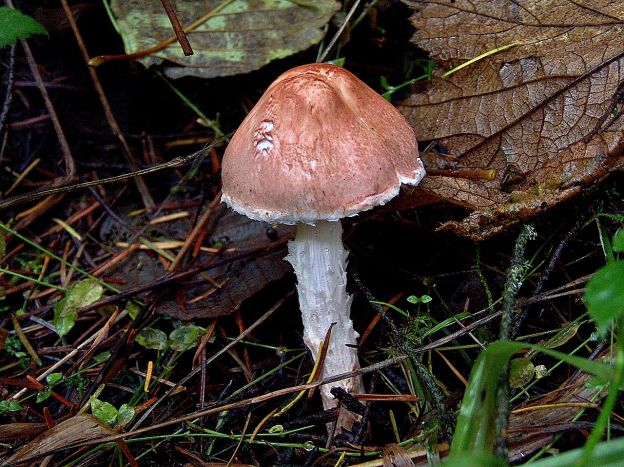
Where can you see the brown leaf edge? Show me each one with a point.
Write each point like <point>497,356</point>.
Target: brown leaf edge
<point>542,195</point>
<point>64,435</point>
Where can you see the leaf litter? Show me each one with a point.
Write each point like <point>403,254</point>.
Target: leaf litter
<point>545,113</point>
<point>197,297</point>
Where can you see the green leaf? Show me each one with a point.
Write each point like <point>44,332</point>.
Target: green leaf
<point>125,415</point>
<point>43,395</point>
<point>81,294</point>
<point>103,410</point>
<point>102,357</point>
<point>185,337</point>
<point>604,294</point>
<point>237,37</point>
<point>15,25</point>
<point>414,299</point>
<point>607,454</point>
<point>152,338</point>
<point>54,378</point>
<point>445,323</point>
<point>10,406</point>
<point>392,307</point>
<point>618,241</point>
<point>133,309</point>
<point>521,372</point>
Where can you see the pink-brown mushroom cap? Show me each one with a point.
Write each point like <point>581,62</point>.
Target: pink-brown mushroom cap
<point>319,145</point>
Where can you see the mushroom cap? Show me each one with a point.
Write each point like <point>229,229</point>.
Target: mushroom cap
<point>319,145</point>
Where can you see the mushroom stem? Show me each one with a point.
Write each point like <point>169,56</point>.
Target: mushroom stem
<point>320,262</point>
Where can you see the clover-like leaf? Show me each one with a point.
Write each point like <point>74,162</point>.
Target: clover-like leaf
<point>185,337</point>
<point>521,372</point>
<point>152,338</point>
<point>618,241</point>
<point>103,410</point>
<point>125,414</point>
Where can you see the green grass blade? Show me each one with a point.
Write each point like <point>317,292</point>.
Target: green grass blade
<point>475,430</point>
<point>606,454</point>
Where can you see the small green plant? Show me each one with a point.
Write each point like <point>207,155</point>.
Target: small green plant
<point>413,299</point>
<point>10,406</point>
<point>389,90</point>
<point>108,413</point>
<point>13,346</point>
<point>52,379</point>
<point>15,25</point>
<point>79,295</point>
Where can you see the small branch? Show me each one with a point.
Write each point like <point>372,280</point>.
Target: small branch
<point>213,357</point>
<point>334,39</point>
<point>435,397</point>
<point>10,81</point>
<point>177,162</point>
<point>70,168</point>
<point>110,118</point>
<point>177,27</point>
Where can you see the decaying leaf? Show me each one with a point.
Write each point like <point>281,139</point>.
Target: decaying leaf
<point>23,430</point>
<point>545,113</point>
<point>66,434</point>
<point>232,36</point>
<point>233,283</point>
<point>535,424</point>
<point>396,456</point>
<point>220,290</point>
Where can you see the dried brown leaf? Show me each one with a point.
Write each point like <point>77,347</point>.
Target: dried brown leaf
<point>66,434</point>
<point>396,456</point>
<point>531,430</point>
<point>24,430</point>
<point>545,114</point>
<point>238,281</point>
<point>220,290</point>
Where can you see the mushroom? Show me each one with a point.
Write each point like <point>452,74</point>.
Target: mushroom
<point>318,146</point>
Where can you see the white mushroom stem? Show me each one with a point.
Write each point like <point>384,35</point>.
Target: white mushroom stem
<point>320,262</point>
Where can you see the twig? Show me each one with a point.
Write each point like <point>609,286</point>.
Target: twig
<point>97,61</point>
<point>10,81</point>
<point>190,238</point>
<point>178,161</point>
<point>177,27</point>
<point>515,276</point>
<point>331,44</point>
<point>60,362</point>
<point>110,118</point>
<point>70,168</point>
<point>435,395</point>
<point>549,269</point>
